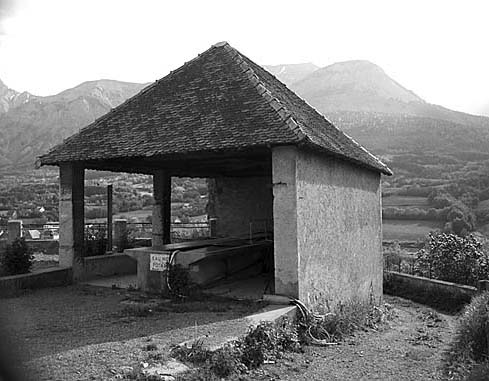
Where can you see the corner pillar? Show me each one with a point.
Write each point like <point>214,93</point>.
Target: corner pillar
<point>286,254</point>
<point>161,209</point>
<point>71,217</point>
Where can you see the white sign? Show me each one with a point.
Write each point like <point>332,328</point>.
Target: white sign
<point>157,262</point>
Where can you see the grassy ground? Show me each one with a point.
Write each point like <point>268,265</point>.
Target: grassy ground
<point>408,230</point>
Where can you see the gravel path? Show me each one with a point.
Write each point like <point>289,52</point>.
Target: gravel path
<point>410,348</point>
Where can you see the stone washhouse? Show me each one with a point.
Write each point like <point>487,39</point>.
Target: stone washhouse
<point>271,158</point>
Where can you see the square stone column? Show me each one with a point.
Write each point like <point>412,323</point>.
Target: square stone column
<point>71,216</point>
<point>286,254</point>
<point>161,209</point>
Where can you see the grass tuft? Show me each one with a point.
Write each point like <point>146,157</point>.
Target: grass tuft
<point>468,353</point>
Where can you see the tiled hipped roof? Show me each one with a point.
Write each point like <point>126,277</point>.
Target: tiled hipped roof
<point>219,101</point>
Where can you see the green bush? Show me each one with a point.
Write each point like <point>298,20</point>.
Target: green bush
<point>95,242</point>
<point>454,259</point>
<point>468,352</point>
<point>17,258</point>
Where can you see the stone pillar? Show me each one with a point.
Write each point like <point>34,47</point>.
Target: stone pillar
<point>161,209</point>
<point>286,255</point>
<point>120,234</point>
<point>71,217</point>
<point>14,230</point>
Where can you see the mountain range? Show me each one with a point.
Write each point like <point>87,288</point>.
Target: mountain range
<point>358,96</point>
<point>30,125</point>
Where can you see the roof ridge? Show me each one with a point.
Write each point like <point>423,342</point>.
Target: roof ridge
<point>281,110</point>
<point>284,114</point>
<point>344,133</point>
<point>334,126</point>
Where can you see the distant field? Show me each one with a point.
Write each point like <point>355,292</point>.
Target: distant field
<point>139,215</point>
<point>405,201</point>
<point>408,230</point>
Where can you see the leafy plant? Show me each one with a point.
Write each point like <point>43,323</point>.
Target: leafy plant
<point>95,241</point>
<point>17,258</point>
<point>454,259</point>
<point>266,341</point>
<point>179,281</point>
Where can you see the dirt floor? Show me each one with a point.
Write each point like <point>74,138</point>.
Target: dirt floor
<point>410,347</point>
<point>78,333</point>
<point>87,333</point>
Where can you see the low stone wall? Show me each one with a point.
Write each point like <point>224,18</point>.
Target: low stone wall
<point>11,285</point>
<point>437,293</point>
<point>107,265</point>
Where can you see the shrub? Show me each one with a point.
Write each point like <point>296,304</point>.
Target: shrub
<point>95,241</point>
<point>179,281</point>
<point>470,344</point>
<point>454,259</point>
<point>266,341</point>
<point>17,258</point>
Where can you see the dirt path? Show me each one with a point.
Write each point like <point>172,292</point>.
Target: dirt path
<point>74,333</point>
<point>84,334</point>
<point>410,348</point>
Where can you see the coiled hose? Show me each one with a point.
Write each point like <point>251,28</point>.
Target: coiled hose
<point>310,320</point>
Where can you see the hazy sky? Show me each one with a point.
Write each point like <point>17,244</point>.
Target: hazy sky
<point>438,49</point>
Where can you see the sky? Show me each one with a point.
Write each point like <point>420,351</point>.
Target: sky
<point>438,49</point>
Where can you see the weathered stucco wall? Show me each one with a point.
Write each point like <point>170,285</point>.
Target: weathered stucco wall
<point>286,257</point>
<point>339,230</point>
<point>235,201</point>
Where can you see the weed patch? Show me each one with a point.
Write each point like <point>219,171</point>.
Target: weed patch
<point>331,328</point>
<point>17,258</point>
<point>265,342</point>
<point>469,351</point>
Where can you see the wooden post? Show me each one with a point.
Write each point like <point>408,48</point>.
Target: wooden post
<point>109,217</point>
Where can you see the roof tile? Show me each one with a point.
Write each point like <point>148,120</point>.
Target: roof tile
<point>218,101</point>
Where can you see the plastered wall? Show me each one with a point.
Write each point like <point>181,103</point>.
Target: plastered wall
<point>339,231</point>
<point>237,201</point>
<point>286,257</point>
